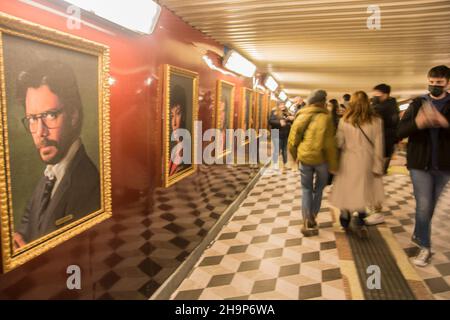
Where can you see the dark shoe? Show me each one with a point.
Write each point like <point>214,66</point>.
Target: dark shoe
<point>344,219</point>
<point>361,230</point>
<point>309,228</point>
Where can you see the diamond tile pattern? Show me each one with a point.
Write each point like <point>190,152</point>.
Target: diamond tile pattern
<point>400,219</point>
<point>261,254</point>
<point>147,248</point>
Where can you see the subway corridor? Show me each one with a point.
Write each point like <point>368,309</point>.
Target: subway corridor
<point>260,252</point>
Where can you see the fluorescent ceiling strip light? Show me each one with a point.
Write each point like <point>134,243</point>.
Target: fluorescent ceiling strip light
<point>139,15</point>
<point>237,63</point>
<point>270,83</point>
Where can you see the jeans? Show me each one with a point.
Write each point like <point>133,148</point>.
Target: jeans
<point>428,186</point>
<point>283,149</point>
<point>312,192</point>
<point>279,145</point>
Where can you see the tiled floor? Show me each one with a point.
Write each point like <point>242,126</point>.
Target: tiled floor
<point>400,208</point>
<point>148,247</point>
<point>261,254</point>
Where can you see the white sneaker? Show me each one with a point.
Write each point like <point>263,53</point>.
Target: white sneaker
<point>423,258</point>
<point>374,218</point>
<point>370,210</point>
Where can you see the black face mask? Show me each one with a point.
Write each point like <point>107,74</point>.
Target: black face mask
<point>376,100</point>
<point>436,91</point>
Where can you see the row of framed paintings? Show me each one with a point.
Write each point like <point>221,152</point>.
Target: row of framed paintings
<point>180,103</point>
<point>55,170</point>
<point>55,112</point>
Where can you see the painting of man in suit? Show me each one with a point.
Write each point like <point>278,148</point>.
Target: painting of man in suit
<point>69,186</point>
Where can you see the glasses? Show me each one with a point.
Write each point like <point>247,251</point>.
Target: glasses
<point>49,119</point>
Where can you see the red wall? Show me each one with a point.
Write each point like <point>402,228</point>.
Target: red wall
<point>136,129</point>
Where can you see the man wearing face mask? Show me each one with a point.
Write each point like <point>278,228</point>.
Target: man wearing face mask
<point>426,124</point>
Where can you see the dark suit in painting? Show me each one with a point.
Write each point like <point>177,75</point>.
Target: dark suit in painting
<point>77,195</point>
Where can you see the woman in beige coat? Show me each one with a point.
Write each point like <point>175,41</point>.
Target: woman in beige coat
<point>358,182</point>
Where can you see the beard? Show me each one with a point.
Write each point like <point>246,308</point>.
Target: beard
<point>50,151</point>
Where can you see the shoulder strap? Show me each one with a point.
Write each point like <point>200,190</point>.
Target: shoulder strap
<point>365,135</point>
<point>307,125</point>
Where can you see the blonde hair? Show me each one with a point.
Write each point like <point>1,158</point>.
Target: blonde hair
<point>278,112</point>
<point>359,111</point>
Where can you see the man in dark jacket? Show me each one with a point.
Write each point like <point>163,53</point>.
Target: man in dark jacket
<point>281,119</point>
<point>69,188</point>
<point>387,109</point>
<point>426,124</point>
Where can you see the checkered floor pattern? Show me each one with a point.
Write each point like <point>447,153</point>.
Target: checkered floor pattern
<point>141,251</point>
<point>399,210</point>
<point>261,254</point>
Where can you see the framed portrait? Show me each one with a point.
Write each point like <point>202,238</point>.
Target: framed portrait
<point>181,110</point>
<point>224,113</point>
<point>260,98</point>
<point>55,172</point>
<point>246,113</point>
<point>254,112</point>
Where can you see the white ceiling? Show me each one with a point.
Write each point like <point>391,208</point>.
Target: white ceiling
<point>326,44</point>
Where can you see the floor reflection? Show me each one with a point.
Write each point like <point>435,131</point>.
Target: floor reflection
<point>148,247</point>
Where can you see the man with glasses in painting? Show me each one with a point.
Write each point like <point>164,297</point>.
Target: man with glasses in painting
<point>69,188</point>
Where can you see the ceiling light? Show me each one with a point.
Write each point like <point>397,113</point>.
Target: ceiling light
<point>270,83</point>
<point>282,95</point>
<point>289,104</point>
<point>235,62</point>
<point>211,64</point>
<point>140,16</point>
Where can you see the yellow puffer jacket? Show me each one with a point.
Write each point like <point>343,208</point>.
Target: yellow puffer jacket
<point>319,142</point>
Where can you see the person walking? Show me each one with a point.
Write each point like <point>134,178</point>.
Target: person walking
<point>333,108</point>
<point>281,119</point>
<point>426,125</point>
<point>312,143</point>
<point>358,182</point>
<point>386,107</point>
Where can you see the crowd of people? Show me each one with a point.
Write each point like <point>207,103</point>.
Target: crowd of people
<point>350,144</point>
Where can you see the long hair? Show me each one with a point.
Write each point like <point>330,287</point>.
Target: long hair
<point>178,98</point>
<point>278,112</point>
<point>335,107</point>
<point>359,110</point>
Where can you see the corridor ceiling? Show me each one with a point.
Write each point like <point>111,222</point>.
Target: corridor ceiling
<point>327,44</point>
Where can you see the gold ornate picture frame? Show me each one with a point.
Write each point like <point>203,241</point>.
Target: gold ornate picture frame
<point>39,63</point>
<point>180,109</point>
<point>260,108</point>
<point>246,112</point>
<point>254,112</point>
<point>224,115</point>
